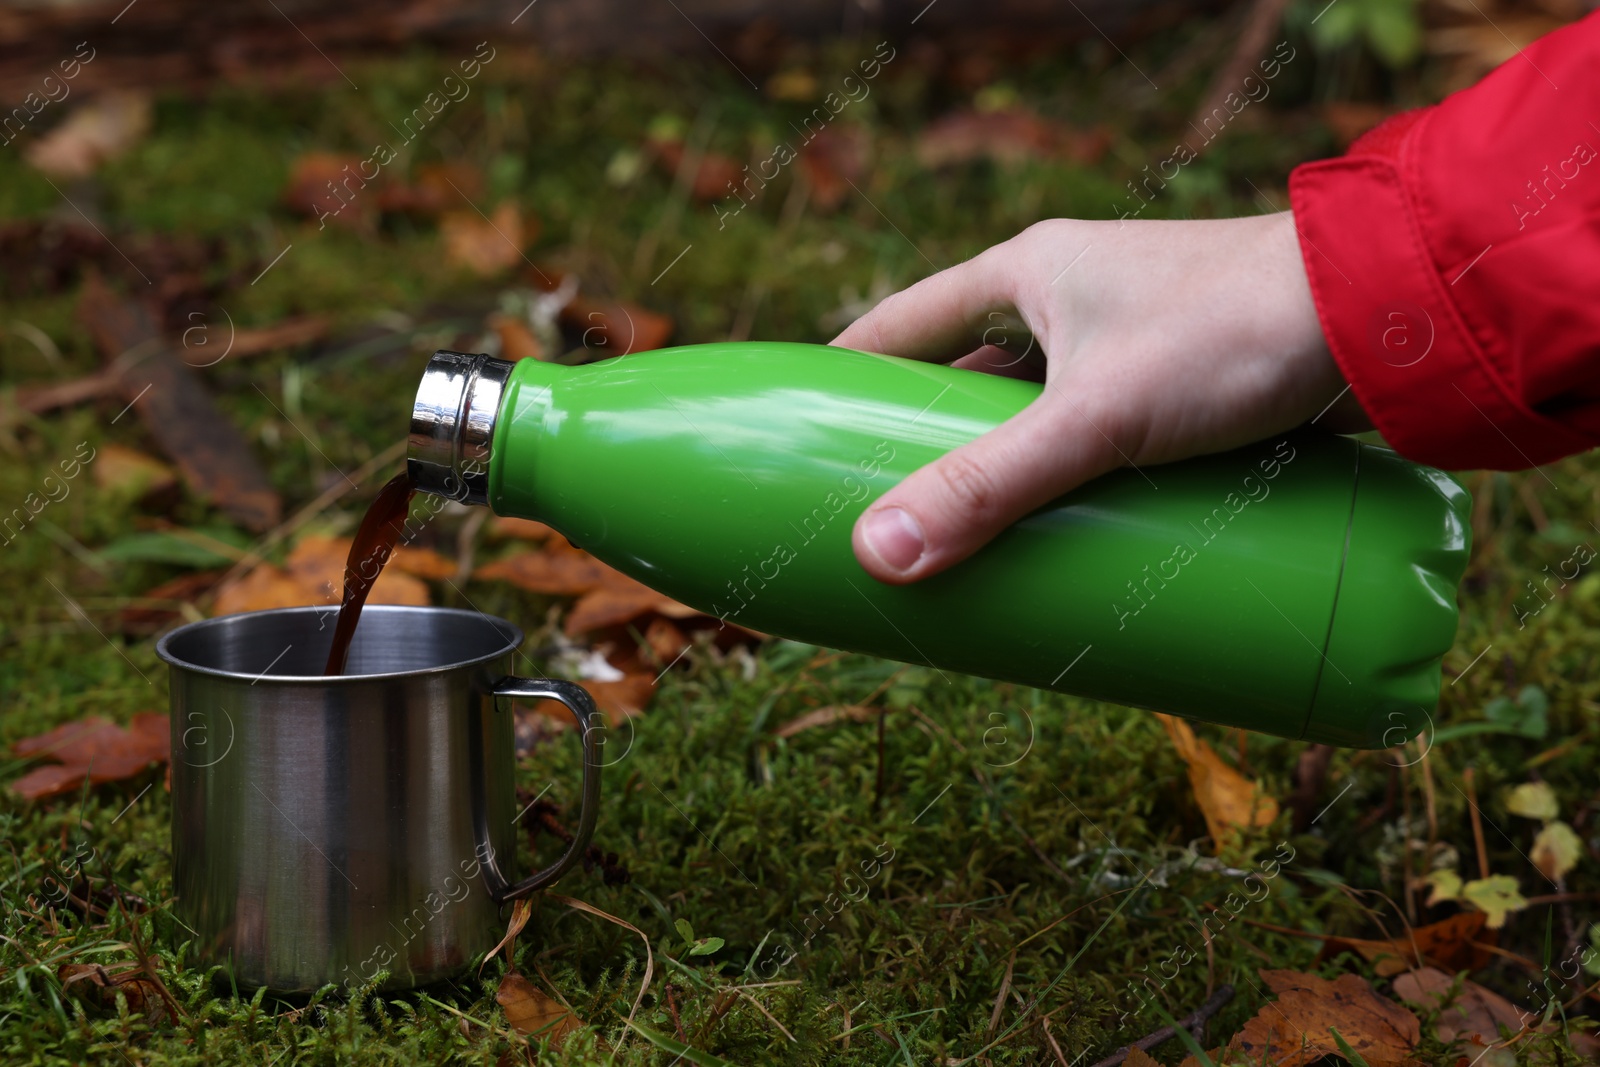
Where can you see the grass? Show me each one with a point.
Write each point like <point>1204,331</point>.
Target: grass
<point>1027,894</point>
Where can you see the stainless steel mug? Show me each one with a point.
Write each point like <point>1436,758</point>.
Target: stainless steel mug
<point>327,829</point>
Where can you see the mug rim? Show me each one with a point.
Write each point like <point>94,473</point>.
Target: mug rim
<point>514,638</point>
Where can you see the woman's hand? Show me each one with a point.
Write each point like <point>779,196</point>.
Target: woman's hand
<point>1163,340</point>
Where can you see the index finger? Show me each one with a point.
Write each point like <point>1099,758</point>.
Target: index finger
<point>938,319</point>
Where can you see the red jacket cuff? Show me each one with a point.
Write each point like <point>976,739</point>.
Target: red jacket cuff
<point>1394,330</point>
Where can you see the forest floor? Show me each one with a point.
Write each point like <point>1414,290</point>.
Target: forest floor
<point>1041,865</point>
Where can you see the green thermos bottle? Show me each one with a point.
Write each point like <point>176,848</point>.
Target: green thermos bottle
<point>1304,586</point>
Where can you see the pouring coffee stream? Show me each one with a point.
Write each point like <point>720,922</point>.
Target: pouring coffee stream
<point>380,530</point>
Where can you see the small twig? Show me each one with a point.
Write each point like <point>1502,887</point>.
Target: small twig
<point>1467,778</point>
<point>762,1009</point>
<point>1061,1057</point>
<point>1264,17</point>
<point>1190,1022</point>
<point>672,1006</point>
<point>1000,998</point>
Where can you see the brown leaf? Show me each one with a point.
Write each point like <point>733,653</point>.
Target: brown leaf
<point>525,529</point>
<point>823,716</point>
<point>516,339</point>
<point>328,186</point>
<point>556,570</point>
<point>1006,135</point>
<point>531,1011</point>
<point>486,246</point>
<point>624,698</point>
<point>420,562</point>
<point>92,749</point>
<point>262,587</point>
<point>521,910</point>
<point>617,327</point>
<point>831,160</point>
<point>314,574</point>
<point>1447,943</point>
<point>1296,1029</point>
<point>618,600</point>
<point>438,188</point>
<point>101,984</point>
<point>132,474</point>
<point>1138,1057</point>
<point>665,641</point>
<point>1227,799</point>
<point>318,563</point>
<point>152,615</point>
<point>101,129</point>
<point>715,176</point>
<point>1476,1014</point>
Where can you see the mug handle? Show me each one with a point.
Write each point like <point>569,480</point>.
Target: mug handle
<point>577,701</point>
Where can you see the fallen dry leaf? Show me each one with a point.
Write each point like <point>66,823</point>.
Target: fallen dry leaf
<point>165,604</point>
<point>1476,1014</point>
<point>486,246</point>
<point>101,984</point>
<point>831,161</point>
<point>1296,1029</point>
<point>314,574</point>
<point>130,473</point>
<point>1227,799</point>
<point>665,641</point>
<point>531,1011</point>
<point>618,327</point>
<point>521,910</point>
<point>420,562</point>
<point>101,129</point>
<point>715,177</point>
<point>622,699</point>
<point>92,749</point>
<point>502,526</point>
<point>823,716</point>
<point>556,570</point>
<point>1006,135</point>
<point>619,600</point>
<point>1447,943</point>
<point>1138,1057</point>
<point>516,339</point>
<point>438,188</point>
<point>327,186</point>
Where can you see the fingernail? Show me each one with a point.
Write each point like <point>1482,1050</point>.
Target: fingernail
<point>895,537</point>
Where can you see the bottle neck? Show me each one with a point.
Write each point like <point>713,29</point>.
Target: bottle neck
<point>452,425</point>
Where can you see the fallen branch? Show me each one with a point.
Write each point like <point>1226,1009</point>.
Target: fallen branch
<point>1191,1022</point>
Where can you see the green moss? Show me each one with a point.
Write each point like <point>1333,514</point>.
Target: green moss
<point>1076,869</point>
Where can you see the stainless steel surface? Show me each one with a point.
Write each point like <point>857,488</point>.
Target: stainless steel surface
<point>325,829</point>
<point>452,425</point>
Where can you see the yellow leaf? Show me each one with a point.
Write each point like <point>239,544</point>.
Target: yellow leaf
<point>1556,850</point>
<point>1533,800</point>
<point>1227,799</point>
<point>1496,896</point>
<point>1446,886</point>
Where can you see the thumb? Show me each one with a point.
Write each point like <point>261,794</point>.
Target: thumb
<point>947,510</point>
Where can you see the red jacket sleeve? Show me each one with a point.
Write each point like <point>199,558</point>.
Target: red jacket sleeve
<point>1454,256</point>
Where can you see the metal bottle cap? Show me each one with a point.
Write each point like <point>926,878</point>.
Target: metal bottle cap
<point>452,425</point>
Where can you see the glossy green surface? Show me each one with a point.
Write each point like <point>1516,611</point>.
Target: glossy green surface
<point>729,476</point>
